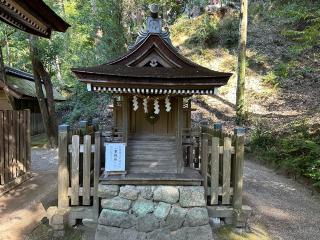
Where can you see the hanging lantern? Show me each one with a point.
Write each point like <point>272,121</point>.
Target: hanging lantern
<point>135,103</point>
<point>145,105</point>
<point>156,106</point>
<point>168,104</point>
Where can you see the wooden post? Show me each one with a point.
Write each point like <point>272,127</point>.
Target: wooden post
<point>28,140</point>
<point>217,127</point>
<point>95,124</point>
<point>86,169</point>
<point>63,171</point>
<point>215,164</point>
<point>2,169</point>
<point>180,163</point>
<point>125,118</point>
<point>83,127</point>
<point>96,172</point>
<point>226,171</point>
<point>75,170</point>
<point>238,174</point>
<point>204,163</point>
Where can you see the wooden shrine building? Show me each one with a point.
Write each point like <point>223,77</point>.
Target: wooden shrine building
<point>153,83</point>
<point>152,176</point>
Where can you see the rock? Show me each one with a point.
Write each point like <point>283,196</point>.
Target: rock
<point>168,194</point>
<point>108,191</point>
<point>132,234</point>
<point>141,207</point>
<point>129,192</point>
<point>162,210</point>
<point>146,191</point>
<point>159,234</point>
<point>116,203</point>
<point>192,196</point>
<point>199,233</point>
<point>115,218</point>
<point>147,223</point>
<point>175,218</point>
<point>197,216</point>
<point>108,233</point>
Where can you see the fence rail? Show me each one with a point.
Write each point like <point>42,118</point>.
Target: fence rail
<point>14,148</point>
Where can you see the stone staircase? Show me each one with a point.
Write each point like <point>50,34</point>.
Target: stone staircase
<point>151,154</point>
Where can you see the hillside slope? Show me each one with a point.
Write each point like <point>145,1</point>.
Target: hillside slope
<point>282,81</point>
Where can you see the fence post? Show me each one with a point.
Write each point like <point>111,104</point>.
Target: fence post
<point>238,174</point>
<point>204,163</point>
<point>63,171</point>
<point>83,127</point>
<point>95,124</point>
<point>217,127</point>
<point>96,171</point>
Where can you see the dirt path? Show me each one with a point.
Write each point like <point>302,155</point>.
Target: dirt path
<point>22,209</point>
<point>285,207</point>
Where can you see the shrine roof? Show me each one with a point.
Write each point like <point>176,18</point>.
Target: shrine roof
<point>152,62</point>
<point>32,16</point>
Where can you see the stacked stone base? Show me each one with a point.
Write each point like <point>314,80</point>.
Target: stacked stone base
<point>153,212</point>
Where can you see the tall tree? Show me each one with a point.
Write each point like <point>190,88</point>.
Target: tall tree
<point>45,99</point>
<point>240,102</point>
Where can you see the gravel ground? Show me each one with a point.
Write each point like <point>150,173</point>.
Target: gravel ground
<point>288,209</point>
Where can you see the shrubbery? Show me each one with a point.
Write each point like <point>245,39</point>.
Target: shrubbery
<point>297,151</point>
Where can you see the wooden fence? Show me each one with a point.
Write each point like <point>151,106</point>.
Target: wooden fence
<point>78,172</point>
<point>222,163</point>
<point>14,148</point>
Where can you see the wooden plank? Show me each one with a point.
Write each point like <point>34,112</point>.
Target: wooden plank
<point>14,144</point>
<point>204,161</point>
<point>215,170</point>
<point>10,146</point>
<point>1,149</point>
<point>75,170</point>
<point>81,148</point>
<point>226,171</point>
<point>86,169</point>
<point>63,171</point>
<point>125,117</point>
<point>96,172</point>
<point>232,150</point>
<point>238,173</point>
<point>6,146</point>
<point>28,141</point>
<point>180,163</point>
<point>82,191</point>
<point>18,144</point>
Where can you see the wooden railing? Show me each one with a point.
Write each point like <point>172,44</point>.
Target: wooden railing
<point>78,172</point>
<point>15,159</point>
<point>222,162</point>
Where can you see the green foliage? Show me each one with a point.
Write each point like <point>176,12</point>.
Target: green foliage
<point>297,151</point>
<point>82,105</point>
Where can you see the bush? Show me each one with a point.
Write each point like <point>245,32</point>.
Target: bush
<point>297,151</point>
<point>82,105</point>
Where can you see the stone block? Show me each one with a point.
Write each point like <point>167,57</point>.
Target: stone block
<point>108,191</point>
<point>168,194</point>
<point>159,234</point>
<point>116,203</point>
<point>147,223</point>
<point>142,206</point>
<point>108,233</point>
<point>146,191</point>
<point>129,192</point>
<point>162,210</point>
<point>132,234</point>
<point>192,196</point>
<point>197,216</point>
<point>199,233</point>
<point>175,218</point>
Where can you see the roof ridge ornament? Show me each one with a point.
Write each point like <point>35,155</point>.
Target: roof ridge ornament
<point>154,26</point>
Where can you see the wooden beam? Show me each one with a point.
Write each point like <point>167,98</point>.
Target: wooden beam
<point>180,163</point>
<point>63,171</point>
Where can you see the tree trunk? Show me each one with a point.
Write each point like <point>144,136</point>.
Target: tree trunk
<point>46,105</point>
<point>242,62</point>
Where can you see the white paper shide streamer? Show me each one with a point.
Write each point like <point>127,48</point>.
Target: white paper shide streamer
<point>156,106</point>
<point>135,103</point>
<point>145,105</point>
<point>168,104</point>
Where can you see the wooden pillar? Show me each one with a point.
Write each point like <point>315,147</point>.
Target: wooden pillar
<point>83,127</point>
<point>96,172</point>
<point>125,117</point>
<point>238,174</point>
<point>63,171</point>
<point>180,164</point>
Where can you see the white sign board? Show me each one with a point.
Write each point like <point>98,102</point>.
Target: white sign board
<point>115,157</point>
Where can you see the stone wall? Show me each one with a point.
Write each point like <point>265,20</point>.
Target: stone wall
<point>153,213</point>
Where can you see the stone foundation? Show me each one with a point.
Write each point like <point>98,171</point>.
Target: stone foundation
<point>153,212</point>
